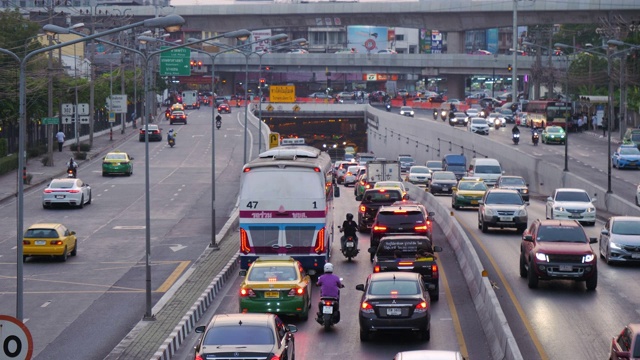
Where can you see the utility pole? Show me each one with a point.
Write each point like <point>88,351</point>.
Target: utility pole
<point>49,127</point>
<point>122,67</point>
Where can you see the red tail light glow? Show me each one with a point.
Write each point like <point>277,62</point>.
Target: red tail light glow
<point>328,303</point>
<point>376,269</point>
<point>420,228</point>
<point>434,271</point>
<point>319,248</point>
<point>48,191</point>
<point>365,307</point>
<point>316,169</point>
<point>246,292</point>
<point>379,228</point>
<point>422,307</point>
<point>274,357</point>
<point>198,357</point>
<point>400,211</point>
<point>56,242</point>
<point>297,291</point>
<point>245,248</point>
<point>74,191</point>
<point>405,263</point>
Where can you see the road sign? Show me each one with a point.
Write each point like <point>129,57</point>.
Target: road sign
<point>176,62</point>
<point>282,93</point>
<point>16,342</point>
<point>83,109</point>
<point>269,107</point>
<point>50,121</point>
<point>112,117</point>
<point>67,120</point>
<point>295,108</point>
<point>274,139</point>
<point>84,119</point>
<point>118,104</point>
<point>67,109</point>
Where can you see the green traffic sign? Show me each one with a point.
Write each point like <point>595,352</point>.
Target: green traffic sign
<point>176,62</point>
<point>50,121</point>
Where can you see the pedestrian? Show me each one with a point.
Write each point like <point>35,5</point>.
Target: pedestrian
<point>60,138</point>
<point>594,122</point>
<point>605,122</point>
<point>579,127</point>
<point>585,122</point>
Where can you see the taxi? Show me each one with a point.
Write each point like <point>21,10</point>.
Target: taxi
<point>398,185</point>
<point>361,186</point>
<point>468,192</point>
<point>177,107</point>
<point>49,239</point>
<point>277,285</point>
<point>117,162</point>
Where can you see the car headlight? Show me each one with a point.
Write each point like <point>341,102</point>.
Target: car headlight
<point>542,257</point>
<point>588,258</point>
<point>489,212</point>
<point>561,136</point>
<point>411,112</point>
<point>521,212</point>
<point>591,209</point>
<point>558,208</point>
<point>525,191</point>
<point>613,245</point>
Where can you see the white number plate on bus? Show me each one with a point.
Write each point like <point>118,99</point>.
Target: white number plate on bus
<point>327,309</point>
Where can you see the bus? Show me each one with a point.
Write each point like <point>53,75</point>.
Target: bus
<point>542,113</point>
<point>286,206</point>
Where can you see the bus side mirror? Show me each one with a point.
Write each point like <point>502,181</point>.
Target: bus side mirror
<point>336,191</point>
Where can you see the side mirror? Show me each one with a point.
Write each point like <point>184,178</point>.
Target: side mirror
<point>200,329</point>
<point>243,273</point>
<point>527,238</point>
<point>593,240</point>
<point>549,198</point>
<point>72,232</point>
<point>454,188</point>
<point>594,199</point>
<point>604,232</point>
<point>437,248</point>
<point>130,157</point>
<point>360,287</point>
<point>480,202</point>
<point>527,184</point>
<point>431,213</point>
<point>292,328</point>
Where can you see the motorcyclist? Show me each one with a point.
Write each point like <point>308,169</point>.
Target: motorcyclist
<point>171,135</point>
<point>330,286</point>
<point>73,166</point>
<point>349,228</point>
<point>515,130</point>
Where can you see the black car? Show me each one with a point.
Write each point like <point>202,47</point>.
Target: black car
<point>405,219</point>
<point>246,336</point>
<point>442,182</point>
<point>372,201</point>
<point>394,301</point>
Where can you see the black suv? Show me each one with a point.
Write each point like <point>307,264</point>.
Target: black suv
<point>372,201</point>
<point>398,220</point>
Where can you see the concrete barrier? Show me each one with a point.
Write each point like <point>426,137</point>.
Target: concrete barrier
<point>494,323</point>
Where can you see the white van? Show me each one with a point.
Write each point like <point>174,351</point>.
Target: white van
<point>489,170</point>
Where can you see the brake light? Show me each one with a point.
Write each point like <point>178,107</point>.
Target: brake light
<point>246,169</point>
<point>245,292</point>
<point>363,208</point>
<point>275,357</point>
<point>422,307</point>
<point>400,211</point>
<point>349,173</point>
<point>379,228</point>
<point>48,191</point>
<point>198,357</point>
<point>328,303</point>
<point>365,307</point>
<point>376,269</point>
<point>434,271</point>
<point>26,242</point>
<point>74,191</point>
<point>420,228</point>
<point>297,291</point>
<point>316,169</point>
<point>245,248</point>
<point>56,242</point>
<point>405,263</point>
<point>319,248</point>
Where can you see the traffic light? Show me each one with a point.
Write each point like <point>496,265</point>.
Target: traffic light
<point>193,63</point>
<point>509,67</point>
<point>262,82</point>
<point>199,65</point>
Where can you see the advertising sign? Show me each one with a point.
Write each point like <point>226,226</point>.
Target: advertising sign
<point>259,35</point>
<point>492,40</point>
<point>367,39</point>
<point>436,42</point>
<point>425,41</point>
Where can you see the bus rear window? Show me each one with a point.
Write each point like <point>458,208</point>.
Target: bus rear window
<point>283,184</point>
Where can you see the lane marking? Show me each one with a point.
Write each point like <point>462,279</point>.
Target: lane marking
<point>173,277</point>
<point>507,287</point>
<point>454,312</point>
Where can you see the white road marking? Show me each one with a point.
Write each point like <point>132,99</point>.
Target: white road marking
<point>45,304</point>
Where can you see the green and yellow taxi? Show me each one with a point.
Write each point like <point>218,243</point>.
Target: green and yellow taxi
<point>49,239</point>
<point>553,135</point>
<point>277,285</point>
<point>117,162</point>
<point>361,186</point>
<point>468,192</point>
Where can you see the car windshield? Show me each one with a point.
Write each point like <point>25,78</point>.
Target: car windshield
<point>382,196</point>
<point>444,176</point>
<point>554,130</point>
<point>578,196</point>
<point>239,335</point>
<point>629,151</point>
<point>41,233</point>
<point>512,198</point>
<point>479,122</point>
<point>488,169</point>
<point>454,168</point>
<point>635,137</point>
<point>393,287</point>
<point>116,157</point>
<point>434,164</point>
<point>512,182</point>
<point>405,108</point>
<point>419,170</point>
<point>272,273</point>
<point>405,159</point>
<point>62,184</point>
<point>472,185</point>
<point>460,114</point>
<point>561,233</point>
<point>626,227</point>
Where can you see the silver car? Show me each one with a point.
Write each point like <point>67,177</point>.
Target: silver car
<point>620,239</point>
<point>73,192</point>
<point>352,174</point>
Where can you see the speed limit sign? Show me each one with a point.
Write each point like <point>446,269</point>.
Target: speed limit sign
<point>15,339</point>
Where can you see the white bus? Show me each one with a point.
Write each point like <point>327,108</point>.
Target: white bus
<point>286,206</point>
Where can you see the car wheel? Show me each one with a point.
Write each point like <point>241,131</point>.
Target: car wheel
<point>454,206</point>
<point>532,277</point>
<point>523,268</point>
<point>64,255</point>
<point>89,202</point>
<point>364,335</point>
<point>637,201</point>
<point>484,227</point>
<point>592,282</point>
<point>74,252</point>
<point>44,206</point>
<point>606,256</point>
<point>129,172</point>
<point>81,205</point>
<point>305,315</point>
<point>104,173</point>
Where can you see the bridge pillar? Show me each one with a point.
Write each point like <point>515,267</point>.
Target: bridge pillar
<point>455,86</point>
<point>455,42</point>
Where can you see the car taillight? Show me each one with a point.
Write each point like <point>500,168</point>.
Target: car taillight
<point>274,357</point>
<point>56,242</point>
<point>349,173</point>
<point>362,208</point>
<point>141,132</point>
<point>48,191</point>
<point>434,271</point>
<point>376,269</point>
<point>246,292</point>
<point>420,228</point>
<point>422,307</point>
<point>405,263</point>
<point>198,357</point>
<point>365,307</point>
<point>26,242</point>
<point>379,228</point>
<point>245,248</point>
<point>319,248</point>
<point>74,191</point>
<point>297,291</point>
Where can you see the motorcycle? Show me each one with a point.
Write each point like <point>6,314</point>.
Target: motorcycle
<point>388,106</point>
<point>435,114</point>
<point>497,124</point>
<point>535,137</point>
<point>443,115</point>
<point>167,114</point>
<point>350,249</point>
<point>172,140</point>
<point>328,312</point>
<point>516,138</point>
<point>71,173</point>
<point>218,124</point>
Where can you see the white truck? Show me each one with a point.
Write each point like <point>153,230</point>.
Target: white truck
<point>190,99</point>
<point>383,170</point>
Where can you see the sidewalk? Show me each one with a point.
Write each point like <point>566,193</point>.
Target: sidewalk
<point>42,174</point>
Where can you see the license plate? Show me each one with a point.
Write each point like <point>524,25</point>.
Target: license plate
<point>635,256</point>
<point>116,164</point>
<point>41,242</point>
<point>272,294</point>
<point>327,309</point>
<point>445,188</point>
<point>394,312</point>
<point>474,202</point>
<point>349,244</point>
<point>566,268</point>
<point>575,216</point>
<point>59,196</point>
<point>506,218</point>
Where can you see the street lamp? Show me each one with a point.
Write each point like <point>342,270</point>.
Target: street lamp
<point>22,94</point>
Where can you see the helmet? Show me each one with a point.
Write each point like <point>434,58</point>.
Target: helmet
<point>328,267</point>
<point>349,216</point>
<point>170,130</point>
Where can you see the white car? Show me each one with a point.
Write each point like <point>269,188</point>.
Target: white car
<point>478,125</point>
<point>493,117</point>
<point>406,111</point>
<point>638,195</point>
<point>472,112</point>
<point>572,204</point>
<point>352,174</point>
<point>73,192</point>
<point>419,174</point>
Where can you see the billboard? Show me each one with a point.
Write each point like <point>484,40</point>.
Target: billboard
<point>424,41</point>
<point>368,39</point>
<point>492,40</point>
<point>257,35</point>
<point>436,42</point>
